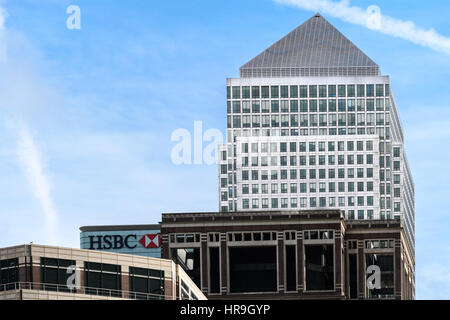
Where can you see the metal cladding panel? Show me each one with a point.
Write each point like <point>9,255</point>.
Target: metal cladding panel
<point>315,48</point>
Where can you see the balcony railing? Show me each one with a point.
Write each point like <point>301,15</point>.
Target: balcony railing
<point>83,290</point>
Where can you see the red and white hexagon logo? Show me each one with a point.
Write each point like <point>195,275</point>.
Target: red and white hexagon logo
<point>150,241</point>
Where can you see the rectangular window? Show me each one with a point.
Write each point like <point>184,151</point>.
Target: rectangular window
<point>284,91</point>
<point>54,274</point>
<point>322,91</point>
<point>319,262</point>
<point>360,90</point>
<point>332,105</point>
<point>291,268</point>
<point>351,90</point>
<point>147,284</point>
<point>255,92</point>
<point>9,273</point>
<point>332,91</point>
<point>274,91</point>
<point>303,92</point>
<point>265,92</point>
<point>341,90</point>
<point>236,92</point>
<point>370,90</point>
<point>385,263</point>
<point>103,279</point>
<point>313,91</point>
<point>380,90</point>
<point>246,92</point>
<point>294,91</point>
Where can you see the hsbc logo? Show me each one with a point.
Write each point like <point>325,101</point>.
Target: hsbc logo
<point>151,241</point>
<point>130,241</point>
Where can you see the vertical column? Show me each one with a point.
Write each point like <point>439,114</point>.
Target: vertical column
<point>361,271</point>
<point>165,252</point>
<point>204,266</point>
<point>125,282</point>
<point>36,272</point>
<point>223,263</point>
<point>281,262</point>
<point>300,267</point>
<point>398,266</point>
<point>169,289</point>
<point>24,269</point>
<point>338,262</point>
<point>80,271</point>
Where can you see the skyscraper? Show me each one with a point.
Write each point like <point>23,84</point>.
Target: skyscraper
<point>311,123</point>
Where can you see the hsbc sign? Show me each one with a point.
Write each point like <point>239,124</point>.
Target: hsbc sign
<point>130,241</point>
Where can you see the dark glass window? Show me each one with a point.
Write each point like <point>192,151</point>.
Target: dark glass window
<point>246,92</point>
<point>380,90</point>
<point>146,284</point>
<point>103,279</point>
<point>313,91</point>
<point>294,105</point>
<point>265,92</point>
<point>9,273</point>
<point>253,269</point>
<point>284,92</point>
<point>255,92</point>
<point>341,90</point>
<point>386,264</point>
<point>322,91</point>
<point>236,92</point>
<point>319,267</point>
<point>361,92</point>
<point>332,91</point>
<point>353,278</point>
<point>370,90</point>
<point>303,92</point>
<point>294,91</point>
<point>274,91</point>
<point>351,90</point>
<point>291,268</point>
<point>54,274</point>
<point>214,270</point>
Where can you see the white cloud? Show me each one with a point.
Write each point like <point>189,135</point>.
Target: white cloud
<point>12,105</point>
<point>373,19</point>
<point>39,183</point>
<point>3,16</point>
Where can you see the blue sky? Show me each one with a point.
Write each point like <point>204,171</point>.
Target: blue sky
<point>86,115</point>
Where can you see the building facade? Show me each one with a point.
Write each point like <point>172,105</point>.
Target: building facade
<point>35,272</point>
<point>312,124</point>
<point>142,240</point>
<point>310,254</point>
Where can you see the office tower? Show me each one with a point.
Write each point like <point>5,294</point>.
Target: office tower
<point>311,124</point>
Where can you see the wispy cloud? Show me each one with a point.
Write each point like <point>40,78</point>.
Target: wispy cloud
<point>27,151</point>
<point>372,18</point>
<point>3,15</point>
<point>39,182</point>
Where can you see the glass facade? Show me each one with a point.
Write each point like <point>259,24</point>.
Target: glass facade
<point>317,145</point>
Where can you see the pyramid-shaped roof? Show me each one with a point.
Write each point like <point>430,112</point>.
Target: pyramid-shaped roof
<point>315,48</point>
